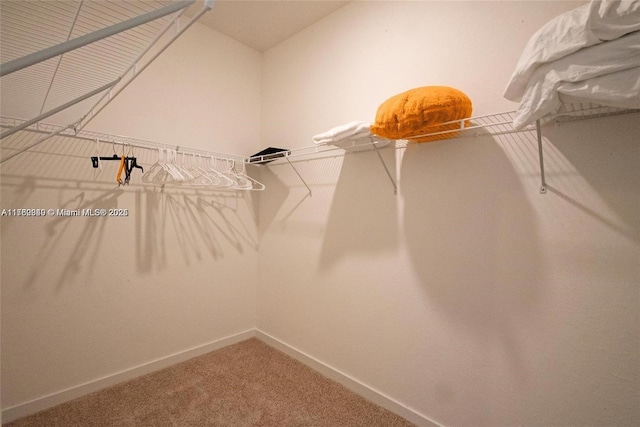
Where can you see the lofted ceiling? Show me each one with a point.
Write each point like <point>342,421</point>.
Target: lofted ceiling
<point>261,24</point>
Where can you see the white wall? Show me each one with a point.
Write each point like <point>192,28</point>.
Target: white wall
<point>469,297</point>
<point>84,299</point>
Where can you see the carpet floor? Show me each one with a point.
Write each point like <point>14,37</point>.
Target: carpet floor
<point>245,384</point>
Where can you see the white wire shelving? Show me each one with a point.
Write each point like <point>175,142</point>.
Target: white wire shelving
<point>179,166</point>
<point>89,135</point>
<point>490,124</point>
<point>77,56</point>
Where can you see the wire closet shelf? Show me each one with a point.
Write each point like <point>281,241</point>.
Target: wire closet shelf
<point>170,165</point>
<point>490,124</point>
<point>77,56</point>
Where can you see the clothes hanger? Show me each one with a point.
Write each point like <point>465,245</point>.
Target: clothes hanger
<point>130,163</point>
<point>168,165</point>
<point>95,160</point>
<point>178,165</point>
<point>248,182</point>
<point>121,168</point>
<point>97,163</point>
<point>127,163</point>
<point>201,176</point>
<point>170,159</point>
<point>225,181</point>
<point>165,174</point>
<point>240,182</point>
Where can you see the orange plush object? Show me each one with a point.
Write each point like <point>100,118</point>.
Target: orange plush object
<point>422,110</point>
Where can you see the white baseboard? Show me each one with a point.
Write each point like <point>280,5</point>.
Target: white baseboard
<point>351,383</point>
<point>45,402</point>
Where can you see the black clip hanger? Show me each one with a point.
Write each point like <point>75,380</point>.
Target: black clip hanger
<point>131,162</point>
<point>95,160</point>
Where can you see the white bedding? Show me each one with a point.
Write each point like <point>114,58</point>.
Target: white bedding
<point>352,136</point>
<point>621,90</point>
<point>605,71</point>
<point>351,130</point>
<point>587,25</point>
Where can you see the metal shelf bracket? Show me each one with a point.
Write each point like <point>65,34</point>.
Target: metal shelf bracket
<point>298,173</point>
<point>386,169</point>
<point>543,183</point>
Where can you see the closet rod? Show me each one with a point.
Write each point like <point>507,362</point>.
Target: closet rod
<point>69,45</point>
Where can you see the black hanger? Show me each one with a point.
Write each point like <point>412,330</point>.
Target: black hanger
<point>95,162</point>
<point>130,163</point>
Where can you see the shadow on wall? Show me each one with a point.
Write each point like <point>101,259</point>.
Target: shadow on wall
<point>471,234</point>
<point>201,226</point>
<point>604,152</point>
<point>363,218</point>
<point>158,226</point>
<point>276,193</point>
<point>83,253</point>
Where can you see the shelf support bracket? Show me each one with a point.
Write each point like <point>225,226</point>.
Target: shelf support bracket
<point>386,169</point>
<point>543,183</point>
<point>298,173</point>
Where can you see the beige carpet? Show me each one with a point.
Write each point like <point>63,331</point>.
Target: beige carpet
<point>245,384</point>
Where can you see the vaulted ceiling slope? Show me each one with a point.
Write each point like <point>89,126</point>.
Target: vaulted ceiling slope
<point>262,24</point>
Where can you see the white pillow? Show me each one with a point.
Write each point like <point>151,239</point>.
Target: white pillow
<point>610,58</point>
<point>571,31</point>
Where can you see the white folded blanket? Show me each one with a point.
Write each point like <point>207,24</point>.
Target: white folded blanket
<point>588,25</point>
<point>351,130</point>
<point>603,72</point>
<point>352,136</point>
